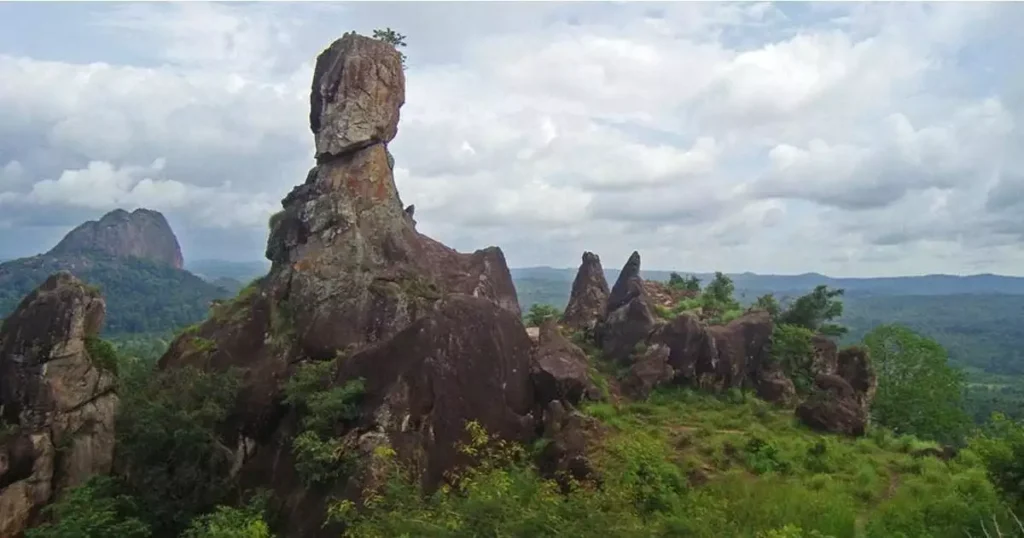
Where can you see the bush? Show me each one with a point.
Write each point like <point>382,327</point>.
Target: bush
<point>167,446</point>
<point>93,510</point>
<point>539,313</point>
<point>228,522</point>
<point>791,349</point>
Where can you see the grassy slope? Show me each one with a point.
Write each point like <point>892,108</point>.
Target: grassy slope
<point>758,469</point>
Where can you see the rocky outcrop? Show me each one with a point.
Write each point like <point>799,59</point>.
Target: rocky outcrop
<point>560,368</point>
<point>467,360</point>
<point>143,233</point>
<point>588,296</point>
<point>650,369</point>
<point>58,403</point>
<point>435,333</point>
<point>628,318</point>
<point>564,456</point>
<point>840,401</point>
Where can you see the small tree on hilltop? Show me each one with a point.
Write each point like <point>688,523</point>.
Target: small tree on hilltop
<point>690,283</point>
<point>770,304</point>
<point>539,313</point>
<point>392,38</point>
<point>815,310</point>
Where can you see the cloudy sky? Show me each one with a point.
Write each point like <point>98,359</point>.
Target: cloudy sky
<point>848,139</point>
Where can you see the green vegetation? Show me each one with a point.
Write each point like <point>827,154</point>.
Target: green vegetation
<point>792,350</point>
<point>690,283</point>
<point>141,296</point>
<point>228,522</point>
<point>918,392</point>
<point>539,313</point>
<point>320,457</point>
<point>392,38</point>
<point>686,464</point>
<point>815,311</point>
<point>102,353</point>
<point>93,510</point>
<point>172,461</point>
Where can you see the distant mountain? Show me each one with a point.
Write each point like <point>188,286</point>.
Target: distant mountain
<point>143,234</point>
<point>799,284</point>
<point>213,270</point>
<point>134,259</point>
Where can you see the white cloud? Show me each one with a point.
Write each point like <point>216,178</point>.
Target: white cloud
<point>735,136</point>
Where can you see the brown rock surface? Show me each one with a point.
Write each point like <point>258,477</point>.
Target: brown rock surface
<point>358,89</point>
<point>588,296</point>
<point>54,395</point>
<point>649,370</point>
<point>143,233</point>
<point>560,368</point>
<point>840,402</point>
<point>628,318</point>
<point>436,334</point>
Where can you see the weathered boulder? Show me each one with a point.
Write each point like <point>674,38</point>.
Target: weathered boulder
<point>833,407</point>
<point>565,454</point>
<point>588,296</point>
<point>854,365</point>
<point>840,402</point>
<point>649,370</point>
<point>692,351</point>
<point>628,318</point>
<point>560,368</point>
<point>57,400</point>
<point>662,295</point>
<point>743,346</point>
<point>825,359</point>
<point>358,89</point>
<point>467,360</point>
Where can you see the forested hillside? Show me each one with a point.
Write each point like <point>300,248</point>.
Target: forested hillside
<point>142,296</point>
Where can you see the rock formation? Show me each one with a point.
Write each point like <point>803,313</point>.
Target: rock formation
<point>589,295</point>
<point>143,233</point>
<point>628,317</point>
<point>436,334</point>
<point>560,369</point>
<point>58,403</point>
<point>842,397</point>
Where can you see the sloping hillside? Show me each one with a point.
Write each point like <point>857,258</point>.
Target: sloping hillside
<point>134,259</point>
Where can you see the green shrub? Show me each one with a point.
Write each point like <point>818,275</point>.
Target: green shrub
<point>792,350</point>
<point>539,313</point>
<point>102,353</point>
<point>167,445</point>
<point>93,510</point>
<point>229,522</point>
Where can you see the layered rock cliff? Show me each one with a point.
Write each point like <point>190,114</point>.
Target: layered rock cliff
<point>57,399</point>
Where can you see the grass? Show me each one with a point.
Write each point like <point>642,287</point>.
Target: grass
<point>751,468</point>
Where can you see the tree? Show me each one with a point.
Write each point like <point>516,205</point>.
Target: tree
<point>918,391</point>
<point>770,304</point>
<point>690,283</point>
<point>539,313</point>
<point>717,302</point>
<point>94,509</point>
<point>815,310</point>
<point>392,38</point>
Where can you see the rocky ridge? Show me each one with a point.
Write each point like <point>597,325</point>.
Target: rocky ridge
<point>685,350</point>
<point>57,399</point>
